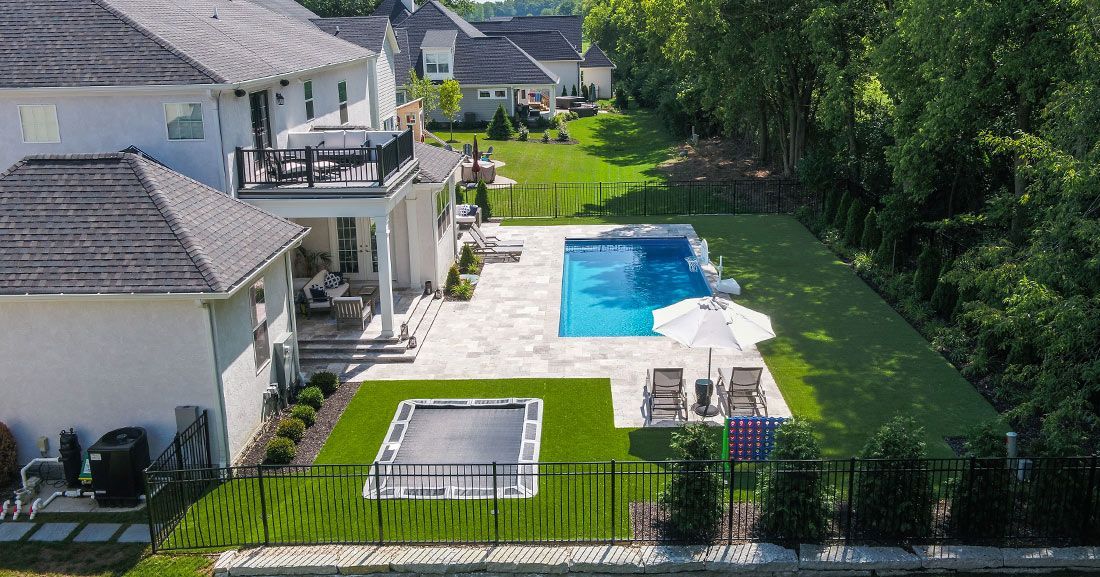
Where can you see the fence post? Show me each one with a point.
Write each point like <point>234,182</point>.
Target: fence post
<point>512,200</point>
<point>614,510</point>
<point>555,200</point>
<point>178,448</point>
<point>1087,524</point>
<point>206,439</point>
<point>239,152</point>
<point>496,507</point>
<point>729,521</point>
<point>691,205</point>
<point>645,198</point>
<point>378,502</point>
<point>149,509</point>
<point>309,166</point>
<point>263,503</point>
<point>851,490</point>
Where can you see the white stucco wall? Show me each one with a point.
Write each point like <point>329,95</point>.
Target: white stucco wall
<point>108,122</point>
<point>568,71</point>
<point>99,365</point>
<point>602,78</point>
<point>243,381</point>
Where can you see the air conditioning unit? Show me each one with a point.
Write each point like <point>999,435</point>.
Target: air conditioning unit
<point>286,366</point>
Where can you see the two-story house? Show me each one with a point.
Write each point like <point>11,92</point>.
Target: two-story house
<point>255,103</point>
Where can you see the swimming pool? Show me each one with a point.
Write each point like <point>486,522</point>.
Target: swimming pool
<point>610,287</point>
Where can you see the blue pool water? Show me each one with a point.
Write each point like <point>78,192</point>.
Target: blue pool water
<point>610,287</point>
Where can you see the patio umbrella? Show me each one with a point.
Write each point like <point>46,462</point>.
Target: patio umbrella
<point>713,323</point>
<point>477,155</point>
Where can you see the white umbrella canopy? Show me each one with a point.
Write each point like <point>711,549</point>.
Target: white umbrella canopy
<point>713,323</point>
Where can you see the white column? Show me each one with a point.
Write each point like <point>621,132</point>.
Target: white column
<point>385,273</point>
<point>416,242</point>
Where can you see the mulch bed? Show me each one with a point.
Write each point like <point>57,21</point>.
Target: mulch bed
<point>649,522</point>
<point>716,160</point>
<point>314,437</point>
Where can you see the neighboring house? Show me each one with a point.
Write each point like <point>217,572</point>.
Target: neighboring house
<point>554,41</point>
<point>126,290</point>
<point>493,70</point>
<point>411,115</point>
<point>596,69</point>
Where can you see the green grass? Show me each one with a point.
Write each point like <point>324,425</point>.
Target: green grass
<point>611,148</point>
<point>96,560</point>
<point>843,357</point>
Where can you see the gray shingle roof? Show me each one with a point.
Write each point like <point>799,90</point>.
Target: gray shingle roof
<point>50,43</point>
<point>595,57</point>
<point>436,163</point>
<point>366,31</point>
<point>542,44</point>
<point>118,223</point>
<point>403,61</point>
<point>569,26</point>
<point>288,8</point>
<point>439,39</point>
<point>479,59</point>
<point>394,10</point>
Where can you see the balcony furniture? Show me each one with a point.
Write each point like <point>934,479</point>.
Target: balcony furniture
<point>485,249</point>
<point>283,167</point>
<point>743,389</point>
<point>353,157</point>
<point>467,215</point>
<point>352,310</point>
<point>324,303</point>
<point>665,392</point>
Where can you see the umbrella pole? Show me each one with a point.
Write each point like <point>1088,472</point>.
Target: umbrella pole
<point>710,354</point>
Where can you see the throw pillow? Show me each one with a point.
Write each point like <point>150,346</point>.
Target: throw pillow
<point>318,293</point>
<point>332,281</point>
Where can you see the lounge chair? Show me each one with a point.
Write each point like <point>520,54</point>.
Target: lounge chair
<point>476,231</point>
<point>743,390</point>
<point>351,310</point>
<point>284,167</point>
<point>467,215</point>
<point>485,249</point>
<point>665,388</point>
<point>323,303</point>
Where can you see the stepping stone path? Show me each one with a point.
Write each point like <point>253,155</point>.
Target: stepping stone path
<point>135,534</point>
<point>54,531</point>
<point>14,531</point>
<point>97,532</point>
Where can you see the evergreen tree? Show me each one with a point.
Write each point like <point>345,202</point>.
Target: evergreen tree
<point>500,127</point>
<point>872,236</point>
<point>853,226</point>
<point>481,199</point>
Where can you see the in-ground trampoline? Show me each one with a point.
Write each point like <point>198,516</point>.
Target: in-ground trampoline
<point>446,449</point>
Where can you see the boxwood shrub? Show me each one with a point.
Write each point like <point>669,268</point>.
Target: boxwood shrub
<point>280,451</point>
<point>327,381</point>
<point>291,428</point>
<point>311,396</point>
<point>304,413</point>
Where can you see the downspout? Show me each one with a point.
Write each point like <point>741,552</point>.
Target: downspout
<point>292,309</point>
<point>229,188</point>
<point>213,324</point>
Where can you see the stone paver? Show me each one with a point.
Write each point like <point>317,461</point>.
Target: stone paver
<point>1042,557</point>
<point>366,560</point>
<point>751,556</point>
<point>55,531</point>
<point>848,557</point>
<point>136,533</point>
<point>669,559</point>
<point>525,559</point>
<point>959,557</point>
<point>14,530</point>
<point>510,330</point>
<point>605,559</point>
<point>97,532</point>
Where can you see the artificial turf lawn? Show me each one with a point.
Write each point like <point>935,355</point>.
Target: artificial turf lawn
<point>96,560</point>
<point>842,357</point>
<point>623,147</point>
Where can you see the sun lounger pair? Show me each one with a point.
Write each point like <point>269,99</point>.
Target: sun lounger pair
<point>493,246</point>
<point>666,398</point>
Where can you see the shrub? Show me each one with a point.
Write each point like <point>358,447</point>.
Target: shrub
<point>500,127</point>
<point>622,101</point>
<point>467,260</point>
<point>291,428</point>
<point>9,464</point>
<point>1060,488</point>
<point>564,91</point>
<point>981,498</point>
<point>304,413</point>
<point>311,396</point>
<point>524,134</point>
<point>481,199</point>
<point>574,92</point>
<point>327,381</point>
<point>545,136</point>
<point>584,91</point>
<point>453,279</point>
<point>794,505</point>
<point>694,495</point>
<point>884,254</point>
<point>853,226</point>
<point>592,95</point>
<point>832,198</point>
<point>927,274</point>
<point>946,296</point>
<point>555,120</point>
<point>563,132</point>
<point>837,220</point>
<point>460,194</point>
<point>872,235</point>
<point>463,291</point>
<point>280,451</point>
<point>893,498</point>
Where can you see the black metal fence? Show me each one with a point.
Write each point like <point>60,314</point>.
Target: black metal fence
<point>573,199</point>
<point>973,501</point>
<point>169,478</point>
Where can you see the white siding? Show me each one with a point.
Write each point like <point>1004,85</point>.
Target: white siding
<point>601,77</point>
<point>99,365</point>
<point>108,122</point>
<point>242,381</point>
<point>568,71</point>
<point>387,86</point>
<point>484,109</point>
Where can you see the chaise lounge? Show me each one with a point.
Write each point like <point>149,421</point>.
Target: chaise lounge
<point>665,394</point>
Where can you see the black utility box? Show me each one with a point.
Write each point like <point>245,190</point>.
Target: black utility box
<point>118,460</point>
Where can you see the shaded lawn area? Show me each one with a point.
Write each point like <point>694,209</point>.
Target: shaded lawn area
<point>843,357</point>
<point>96,560</point>
<point>612,148</point>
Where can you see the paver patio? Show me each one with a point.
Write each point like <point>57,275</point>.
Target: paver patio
<point>510,330</point>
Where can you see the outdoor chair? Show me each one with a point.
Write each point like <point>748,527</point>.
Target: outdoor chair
<point>467,215</point>
<point>351,310</point>
<point>284,168</point>
<point>476,232</point>
<point>743,389</point>
<point>665,392</point>
<point>485,249</point>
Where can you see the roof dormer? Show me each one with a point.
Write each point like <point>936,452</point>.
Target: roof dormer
<point>438,50</point>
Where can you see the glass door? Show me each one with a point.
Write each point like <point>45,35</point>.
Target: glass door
<point>261,121</point>
<point>354,244</point>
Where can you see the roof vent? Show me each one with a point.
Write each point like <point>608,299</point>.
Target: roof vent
<point>215,13</point>
<point>337,33</point>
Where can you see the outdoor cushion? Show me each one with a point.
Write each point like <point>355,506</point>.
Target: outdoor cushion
<point>332,281</point>
<point>318,293</point>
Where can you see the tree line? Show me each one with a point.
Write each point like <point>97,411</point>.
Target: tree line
<point>970,129</point>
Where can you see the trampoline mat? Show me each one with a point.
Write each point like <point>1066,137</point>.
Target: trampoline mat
<point>462,435</point>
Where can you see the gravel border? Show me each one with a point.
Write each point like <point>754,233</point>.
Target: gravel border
<point>313,439</point>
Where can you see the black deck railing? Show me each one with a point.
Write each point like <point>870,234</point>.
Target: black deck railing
<point>970,501</point>
<point>657,198</point>
<point>366,166</point>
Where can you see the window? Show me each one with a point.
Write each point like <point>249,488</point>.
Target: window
<point>496,94</point>
<point>437,63</point>
<point>342,93</point>
<point>402,97</point>
<point>307,88</point>
<point>39,123</point>
<point>442,211</point>
<point>184,121</point>
<point>347,245</point>
<point>410,119</point>
<point>260,342</point>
